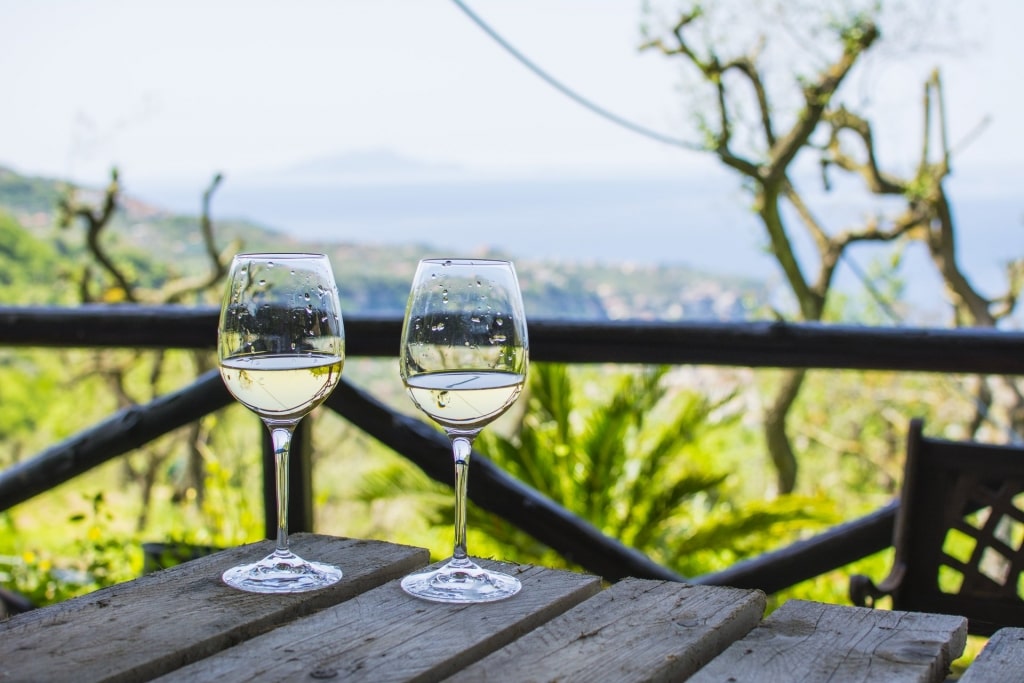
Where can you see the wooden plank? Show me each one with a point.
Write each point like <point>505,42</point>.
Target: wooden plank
<point>159,622</point>
<point>386,635</point>
<point>812,641</point>
<point>637,630</point>
<point>1000,661</point>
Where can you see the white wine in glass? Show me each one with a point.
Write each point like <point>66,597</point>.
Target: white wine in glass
<point>281,348</point>
<point>464,355</point>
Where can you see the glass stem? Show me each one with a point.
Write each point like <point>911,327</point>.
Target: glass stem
<point>462,448</point>
<point>281,436</point>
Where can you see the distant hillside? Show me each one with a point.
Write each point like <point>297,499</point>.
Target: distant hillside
<point>375,279</point>
<point>23,195</point>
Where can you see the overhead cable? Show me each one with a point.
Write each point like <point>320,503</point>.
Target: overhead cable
<point>571,94</point>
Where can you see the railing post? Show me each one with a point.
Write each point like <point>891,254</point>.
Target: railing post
<point>300,482</point>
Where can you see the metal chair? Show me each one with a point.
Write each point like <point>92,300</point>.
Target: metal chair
<point>958,535</point>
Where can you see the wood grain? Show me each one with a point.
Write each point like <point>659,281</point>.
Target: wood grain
<point>159,622</point>
<point>811,641</point>
<point>1001,660</point>
<point>386,635</point>
<point>637,630</point>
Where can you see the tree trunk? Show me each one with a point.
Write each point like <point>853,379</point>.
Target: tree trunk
<point>776,439</point>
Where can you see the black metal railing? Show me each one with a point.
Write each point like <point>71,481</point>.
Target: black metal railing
<point>745,344</point>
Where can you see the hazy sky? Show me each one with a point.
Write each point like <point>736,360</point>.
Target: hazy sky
<point>186,88</point>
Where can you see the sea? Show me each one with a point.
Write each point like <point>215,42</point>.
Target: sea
<point>702,222</point>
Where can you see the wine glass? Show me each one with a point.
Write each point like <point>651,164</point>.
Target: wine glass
<point>281,347</point>
<point>464,355</point>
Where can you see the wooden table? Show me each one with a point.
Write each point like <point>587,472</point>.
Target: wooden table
<point>183,624</point>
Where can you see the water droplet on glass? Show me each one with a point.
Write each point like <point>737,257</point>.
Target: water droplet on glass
<point>499,321</point>
<point>498,339</point>
<point>262,283</point>
<point>306,296</point>
<point>442,399</point>
<point>474,319</point>
<point>438,327</point>
<point>447,263</point>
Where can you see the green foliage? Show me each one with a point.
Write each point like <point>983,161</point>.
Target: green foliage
<point>32,195</point>
<point>25,260</point>
<point>639,467</point>
<point>28,380</point>
<point>95,559</point>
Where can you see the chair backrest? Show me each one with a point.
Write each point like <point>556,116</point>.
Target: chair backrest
<point>960,530</point>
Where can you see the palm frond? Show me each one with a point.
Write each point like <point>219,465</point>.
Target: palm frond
<point>664,505</point>
<point>729,534</point>
<point>640,467</point>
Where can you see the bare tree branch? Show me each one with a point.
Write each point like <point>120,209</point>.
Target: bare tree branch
<point>178,290</point>
<point>96,220</point>
<point>850,147</point>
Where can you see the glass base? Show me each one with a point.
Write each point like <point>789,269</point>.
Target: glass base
<point>461,581</point>
<point>281,572</point>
